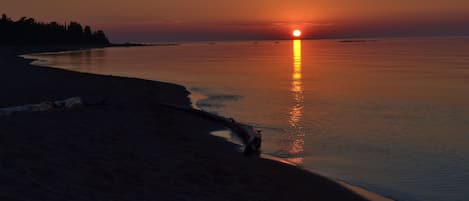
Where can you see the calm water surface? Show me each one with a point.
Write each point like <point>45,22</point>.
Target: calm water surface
<point>390,115</point>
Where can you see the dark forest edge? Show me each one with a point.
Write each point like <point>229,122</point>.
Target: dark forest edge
<point>28,31</point>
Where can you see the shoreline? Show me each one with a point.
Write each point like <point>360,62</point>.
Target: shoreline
<point>362,191</point>
<point>117,105</point>
<point>197,96</point>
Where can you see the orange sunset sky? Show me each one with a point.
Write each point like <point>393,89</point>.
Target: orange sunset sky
<point>157,20</point>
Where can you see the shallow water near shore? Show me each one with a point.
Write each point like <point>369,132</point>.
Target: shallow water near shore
<point>390,115</point>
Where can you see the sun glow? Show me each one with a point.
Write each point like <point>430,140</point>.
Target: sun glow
<point>296,33</point>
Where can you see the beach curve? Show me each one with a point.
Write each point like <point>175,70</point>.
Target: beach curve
<point>105,152</point>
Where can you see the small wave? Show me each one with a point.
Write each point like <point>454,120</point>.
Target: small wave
<point>216,101</point>
<point>284,154</point>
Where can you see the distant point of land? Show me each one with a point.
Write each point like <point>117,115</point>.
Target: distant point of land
<point>142,44</point>
<point>357,41</point>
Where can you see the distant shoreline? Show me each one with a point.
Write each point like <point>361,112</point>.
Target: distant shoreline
<point>142,44</point>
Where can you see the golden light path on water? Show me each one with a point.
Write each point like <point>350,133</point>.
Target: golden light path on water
<point>296,111</point>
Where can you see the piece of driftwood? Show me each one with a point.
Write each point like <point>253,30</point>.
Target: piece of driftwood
<point>44,106</point>
<point>252,138</point>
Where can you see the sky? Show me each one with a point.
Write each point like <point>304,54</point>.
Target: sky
<point>174,20</point>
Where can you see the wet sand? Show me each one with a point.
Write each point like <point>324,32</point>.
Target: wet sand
<point>123,145</point>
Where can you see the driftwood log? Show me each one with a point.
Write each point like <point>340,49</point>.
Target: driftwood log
<point>42,107</point>
<point>252,138</point>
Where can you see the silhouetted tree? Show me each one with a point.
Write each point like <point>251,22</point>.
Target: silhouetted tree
<point>4,17</point>
<point>27,31</point>
<point>87,31</point>
<point>99,36</point>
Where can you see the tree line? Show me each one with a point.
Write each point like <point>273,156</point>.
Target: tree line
<point>27,31</point>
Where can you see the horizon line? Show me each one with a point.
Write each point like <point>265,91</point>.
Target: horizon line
<point>308,38</point>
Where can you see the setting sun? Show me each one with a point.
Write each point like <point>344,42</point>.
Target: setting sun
<point>296,33</point>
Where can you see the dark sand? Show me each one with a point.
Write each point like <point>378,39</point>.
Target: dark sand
<point>130,148</point>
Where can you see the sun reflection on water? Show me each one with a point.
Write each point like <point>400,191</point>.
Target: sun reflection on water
<point>296,111</point>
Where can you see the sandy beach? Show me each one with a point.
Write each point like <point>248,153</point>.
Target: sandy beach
<point>123,145</point>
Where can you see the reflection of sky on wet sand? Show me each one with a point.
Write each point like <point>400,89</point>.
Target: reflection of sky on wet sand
<point>296,111</point>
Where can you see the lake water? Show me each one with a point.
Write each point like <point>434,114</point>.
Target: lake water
<point>389,115</point>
